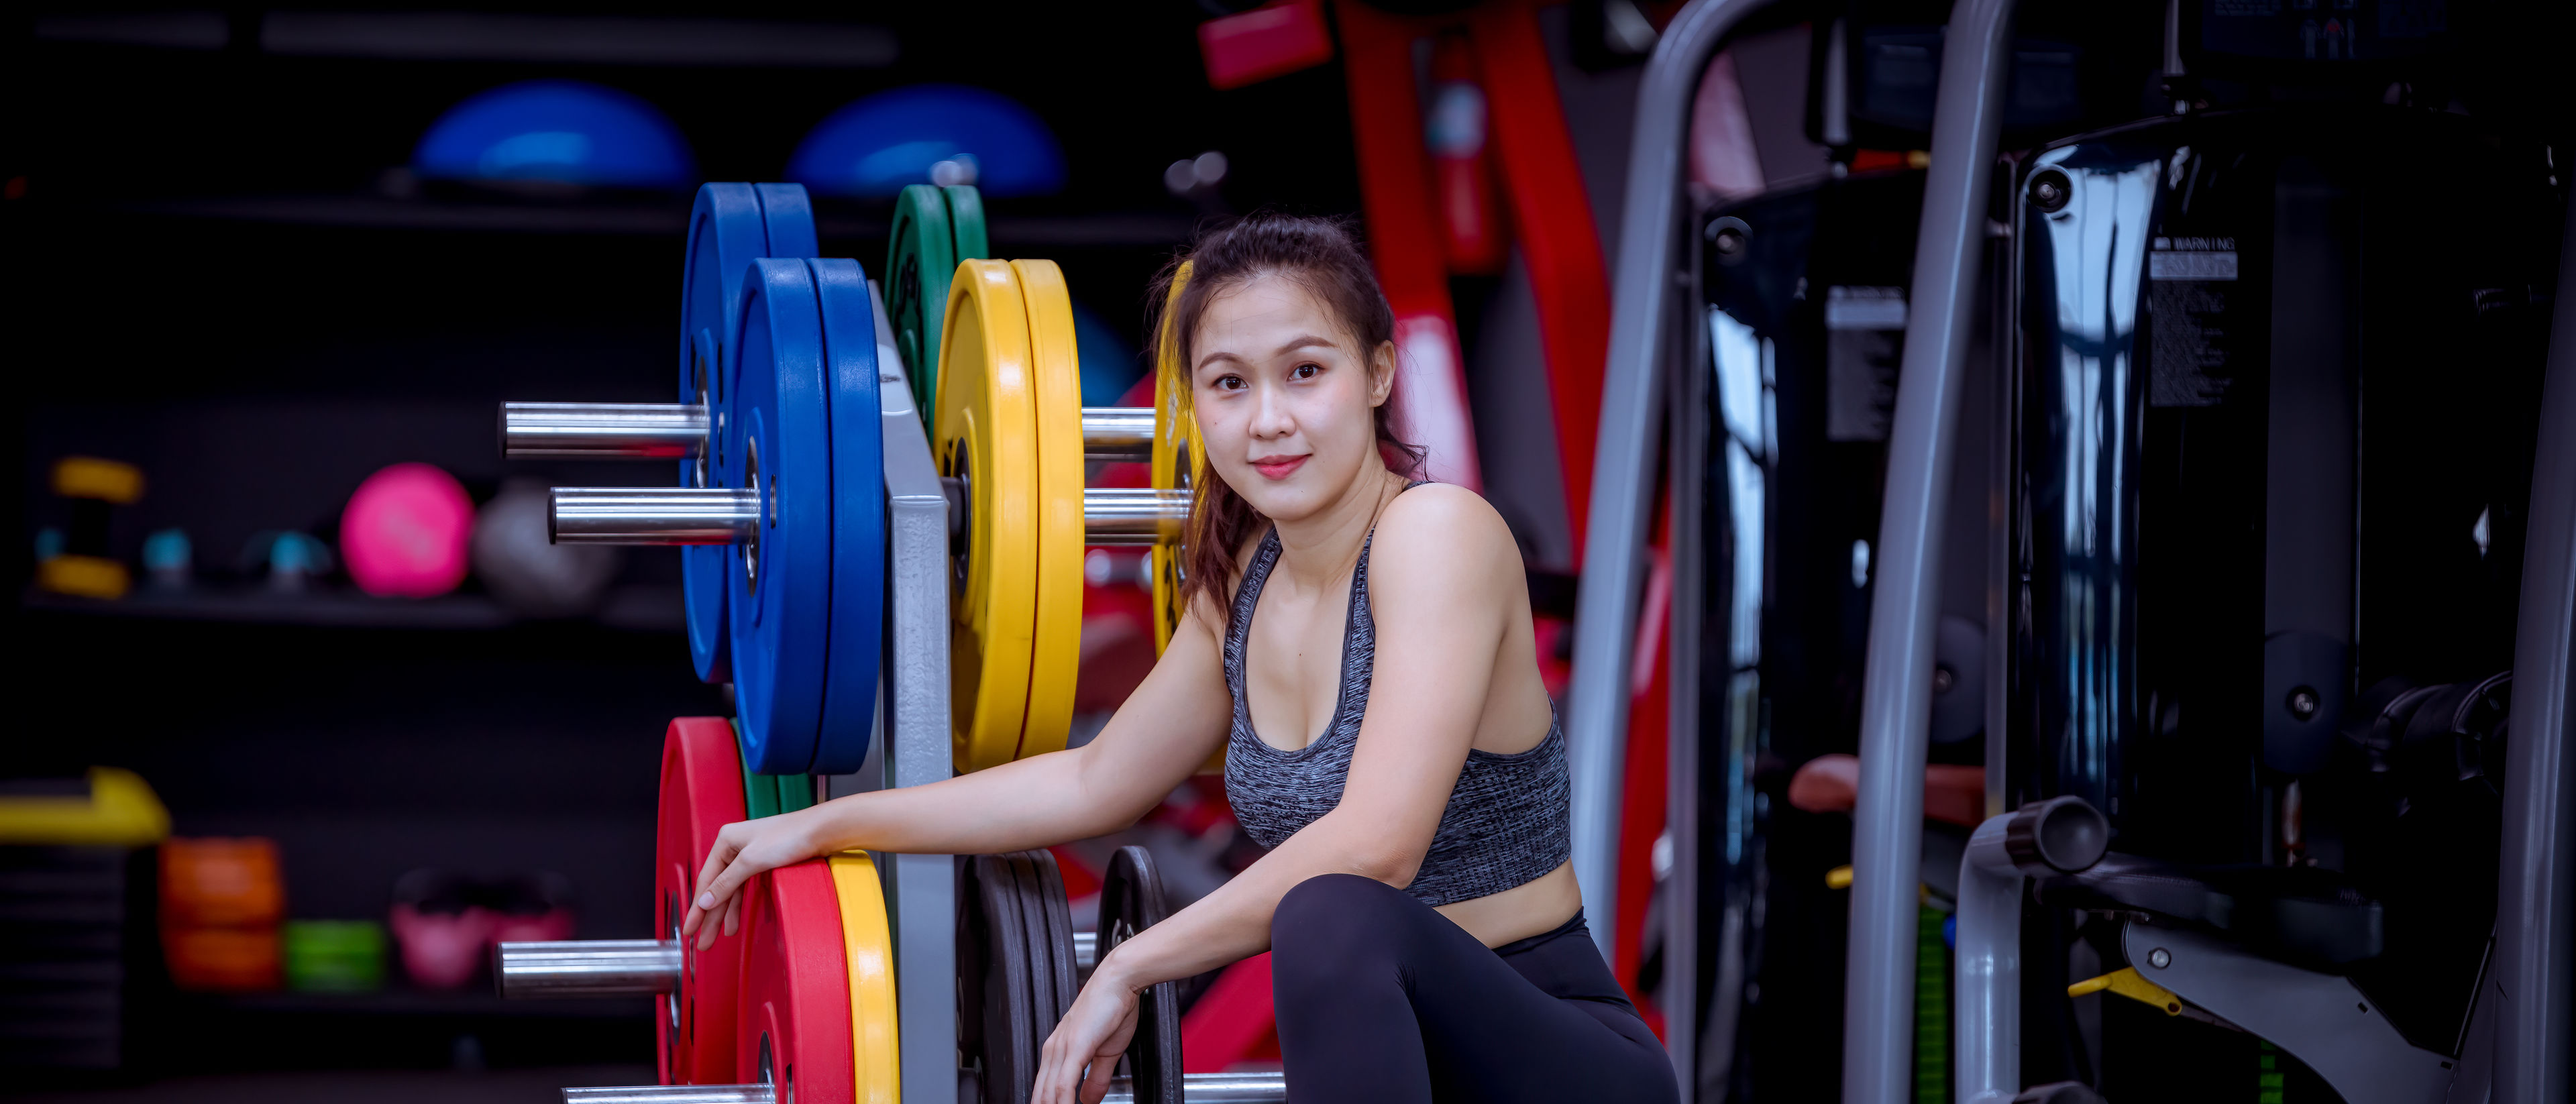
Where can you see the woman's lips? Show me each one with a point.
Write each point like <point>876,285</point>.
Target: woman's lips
<point>1278,468</point>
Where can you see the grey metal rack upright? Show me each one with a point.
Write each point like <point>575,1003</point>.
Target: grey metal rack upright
<point>1896,692</point>
<point>1649,332</point>
<point>2535,916</point>
<point>1651,265</point>
<point>921,890</point>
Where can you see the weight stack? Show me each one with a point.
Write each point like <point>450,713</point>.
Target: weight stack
<point>79,901</point>
<point>76,947</point>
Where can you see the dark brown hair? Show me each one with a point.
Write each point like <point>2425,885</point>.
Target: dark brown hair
<point>1320,255</point>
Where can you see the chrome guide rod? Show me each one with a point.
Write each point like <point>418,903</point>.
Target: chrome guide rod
<point>586,968</point>
<point>1896,695</point>
<point>1133,516</point>
<point>1213,1088</point>
<point>1118,433</point>
<point>674,1094</point>
<point>651,516</point>
<point>602,431</point>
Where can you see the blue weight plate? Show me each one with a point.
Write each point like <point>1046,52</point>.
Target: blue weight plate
<point>726,231</point>
<point>789,216</point>
<point>730,226</point>
<point>858,516</point>
<point>778,589</point>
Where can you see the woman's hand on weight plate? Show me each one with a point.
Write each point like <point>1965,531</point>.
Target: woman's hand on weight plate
<point>744,849</point>
<point>1093,1033</point>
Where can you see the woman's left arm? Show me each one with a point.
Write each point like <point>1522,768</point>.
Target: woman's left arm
<point>1442,574</point>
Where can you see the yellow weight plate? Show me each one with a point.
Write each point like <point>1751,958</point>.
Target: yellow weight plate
<point>1057,376</point>
<point>1176,466</point>
<point>1176,460</point>
<point>985,435</point>
<point>875,1043</point>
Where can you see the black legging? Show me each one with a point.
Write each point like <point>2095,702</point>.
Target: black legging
<point>1381,999</point>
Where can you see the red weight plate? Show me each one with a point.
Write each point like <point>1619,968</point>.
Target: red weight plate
<point>795,987</point>
<point>701,793</point>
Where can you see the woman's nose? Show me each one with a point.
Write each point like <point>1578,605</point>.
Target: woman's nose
<point>1270,417</point>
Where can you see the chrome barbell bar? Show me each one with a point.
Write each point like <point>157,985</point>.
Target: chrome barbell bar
<point>667,431</point>
<point>586,968</point>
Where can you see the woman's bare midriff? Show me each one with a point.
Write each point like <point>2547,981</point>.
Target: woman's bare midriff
<point>1530,908</point>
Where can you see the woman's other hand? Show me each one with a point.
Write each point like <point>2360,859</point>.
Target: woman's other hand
<point>744,849</point>
<point>1093,1034</point>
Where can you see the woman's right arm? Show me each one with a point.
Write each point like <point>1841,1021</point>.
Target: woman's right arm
<point>1175,720</point>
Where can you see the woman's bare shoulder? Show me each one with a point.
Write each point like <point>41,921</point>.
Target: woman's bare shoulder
<point>1442,530</point>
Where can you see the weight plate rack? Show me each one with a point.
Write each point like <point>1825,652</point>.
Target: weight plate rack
<point>872,503</point>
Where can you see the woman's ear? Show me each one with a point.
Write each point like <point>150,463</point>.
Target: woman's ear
<point>1381,373</point>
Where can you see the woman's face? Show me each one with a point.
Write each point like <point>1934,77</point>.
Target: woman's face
<point>1284,396</point>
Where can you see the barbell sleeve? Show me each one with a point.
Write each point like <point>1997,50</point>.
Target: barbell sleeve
<point>1118,434</point>
<point>603,431</point>
<point>651,515</point>
<point>674,1094</point>
<point>1133,516</point>
<point>1269,1087</point>
<point>586,968</point>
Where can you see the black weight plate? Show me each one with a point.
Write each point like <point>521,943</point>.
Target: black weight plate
<point>1041,1010</point>
<point>1052,953</point>
<point>995,1044</point>
<point>1046,924</point>
<point>1033,950</point>
<point>1131,900</point>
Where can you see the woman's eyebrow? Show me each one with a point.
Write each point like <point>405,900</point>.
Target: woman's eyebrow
<point>1302,341</point>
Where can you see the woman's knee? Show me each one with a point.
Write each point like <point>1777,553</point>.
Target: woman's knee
<point>1337,919</point>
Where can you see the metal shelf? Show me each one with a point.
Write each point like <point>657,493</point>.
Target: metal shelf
<point>476,1003</point>
<point>644,219</point>
<point>629,608</point>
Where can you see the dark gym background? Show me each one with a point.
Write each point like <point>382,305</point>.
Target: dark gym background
<point>219,269</point>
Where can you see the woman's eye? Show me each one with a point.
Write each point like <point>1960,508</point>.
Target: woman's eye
<point>1304,371</point>
<point>1229,383</point>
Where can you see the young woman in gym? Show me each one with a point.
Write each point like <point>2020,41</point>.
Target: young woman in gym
<point>1385,730</point>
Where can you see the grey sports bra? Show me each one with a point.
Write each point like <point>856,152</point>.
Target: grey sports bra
<point>1506,823</point>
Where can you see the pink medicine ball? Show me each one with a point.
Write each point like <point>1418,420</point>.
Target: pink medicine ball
<point>406,531</point>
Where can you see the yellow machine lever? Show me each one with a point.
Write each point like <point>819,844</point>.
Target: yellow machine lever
<point>2129,983</point>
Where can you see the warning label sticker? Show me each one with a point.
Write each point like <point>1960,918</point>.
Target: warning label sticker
<point>2194,328</point>
<point>2191,259</point>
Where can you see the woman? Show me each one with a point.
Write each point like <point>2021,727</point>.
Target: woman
<point>1426,934</point>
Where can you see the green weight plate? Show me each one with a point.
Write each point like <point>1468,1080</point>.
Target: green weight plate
<point>795,791</point>
<point>772,794</point>
<point>966,220</point>
<point>759,795</point>
<point>920,260</point>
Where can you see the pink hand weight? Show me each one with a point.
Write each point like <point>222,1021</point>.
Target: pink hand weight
<point>405,532</point>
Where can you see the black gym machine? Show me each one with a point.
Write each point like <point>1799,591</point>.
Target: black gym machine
<point>2265,499</point>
